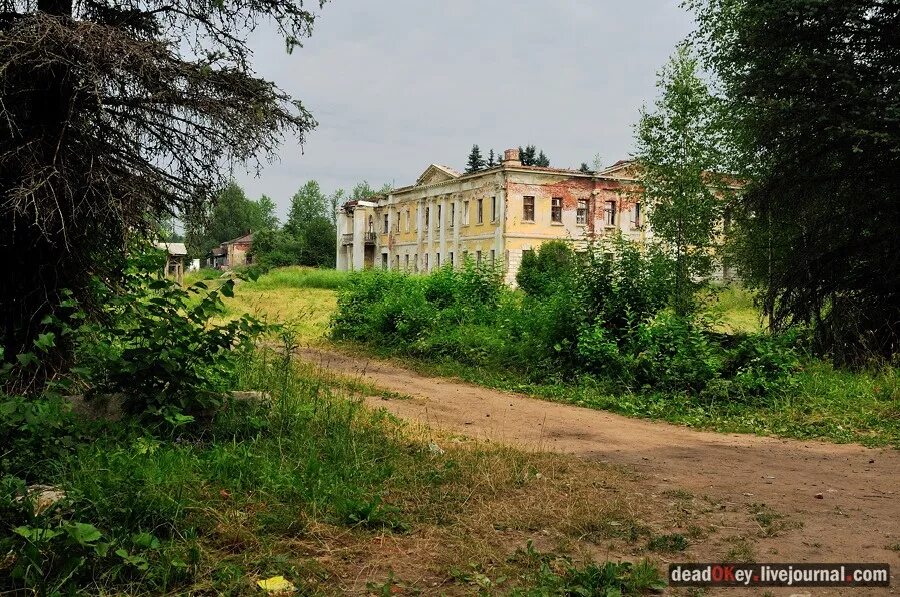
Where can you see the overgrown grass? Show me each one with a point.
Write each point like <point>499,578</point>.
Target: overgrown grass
<point>300,277</point>
<point>686,371</point>
<point>733,306</point>
<point>281,483</point>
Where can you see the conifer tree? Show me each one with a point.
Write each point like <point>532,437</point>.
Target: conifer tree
<point>476,162</point>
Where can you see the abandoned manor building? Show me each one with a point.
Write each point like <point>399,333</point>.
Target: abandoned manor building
<point>490,215</point>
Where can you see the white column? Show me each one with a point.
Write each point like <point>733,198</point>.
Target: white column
<point>359,242</point>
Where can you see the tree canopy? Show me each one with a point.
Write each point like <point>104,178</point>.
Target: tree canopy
<point>812,91</point>
<point>475,161</point>
<point>531,156</point>
<point>116,113</point>
<point>679,150</point>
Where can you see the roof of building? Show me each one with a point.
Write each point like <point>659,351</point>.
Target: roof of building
<point>246,238</point>
<point>174,249</point>
<point>436,172</point>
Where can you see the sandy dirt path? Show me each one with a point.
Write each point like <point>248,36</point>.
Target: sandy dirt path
<point>846,496</point>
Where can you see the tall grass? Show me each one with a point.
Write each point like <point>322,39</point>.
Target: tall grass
<point>300,467</point>
<point>300,277</point>
<point>465,324</point>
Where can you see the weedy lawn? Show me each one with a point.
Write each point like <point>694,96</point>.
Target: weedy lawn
<point>304,482</point>
<point>824,403</point>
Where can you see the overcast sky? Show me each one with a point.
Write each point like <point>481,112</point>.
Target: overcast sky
<point>398,84</point>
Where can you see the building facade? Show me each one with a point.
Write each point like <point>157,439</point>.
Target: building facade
<point>232,253</point>
<point>493,216</point>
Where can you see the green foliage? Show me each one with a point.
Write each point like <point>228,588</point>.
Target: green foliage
<point>475,161</point>
<point>159,347</point>
<point>805,87</point>
<point>137,506</point>
<point>530,156</point>
<point>668,543</point>
<point>603,314</point>
<point>546,270</point>
<point>34,432</point>
<point>680,151</point>
<point>309,235</point>
<point>231,214</point>
<point>299,277</point>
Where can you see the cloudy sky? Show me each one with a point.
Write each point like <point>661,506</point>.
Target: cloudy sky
<point>399,84</point>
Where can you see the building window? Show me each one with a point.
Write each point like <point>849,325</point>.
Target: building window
<point>437,260</point>
<point>416,262</point>
<point>465,213</point>
<point>406,261</point>
<point>556,209</point>
<point>371,224</point>
<point>384,261</point>
<point>425,264</point>
<point>609,213</point>
<point>477,257</point>
<point>493,256</point>
<point>407,222</point>
<point>465,256</point>
<point>528,209</point>
<point>450,257</point>
<point>480,211</point>
<point>397,262</point>
<point>581,214</point>
<point>440,212</point>
<point>637,215</point>
<point>493,209</point>
<point>452,213</point>
<point>427,215</point>
<point>386,224</point>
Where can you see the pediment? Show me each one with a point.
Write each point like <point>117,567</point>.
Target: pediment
<point>437,173</point>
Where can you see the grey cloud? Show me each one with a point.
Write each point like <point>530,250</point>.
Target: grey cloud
<point>399,84</point>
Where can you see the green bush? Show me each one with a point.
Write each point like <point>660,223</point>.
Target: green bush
<point>675,354</point>
<point>547,270</point>
<point>602,313</point>
<point>159,347</point>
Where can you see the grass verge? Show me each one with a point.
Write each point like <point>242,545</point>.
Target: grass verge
<point>307,483</point>
<point>825,404</point>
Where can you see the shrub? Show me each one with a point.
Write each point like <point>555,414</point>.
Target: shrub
<point>159,346</point>
<point>33,432</point>
<point>621,285</point>
<point>675,354</point>
<point>544,271</point>
<point>603,313</point>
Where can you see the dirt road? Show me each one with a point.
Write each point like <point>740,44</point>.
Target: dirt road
<point>847,497</point>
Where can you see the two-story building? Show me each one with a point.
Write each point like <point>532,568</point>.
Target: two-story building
<point>492,215</point>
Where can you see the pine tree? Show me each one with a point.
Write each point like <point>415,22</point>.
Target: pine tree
<point>584,168</point>
<point>476,162</point>
<point>528,156</point>
<point>542,160</point>
<point>491,162</point>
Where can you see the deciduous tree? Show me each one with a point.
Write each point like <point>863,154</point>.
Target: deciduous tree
<point>679,150</point>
